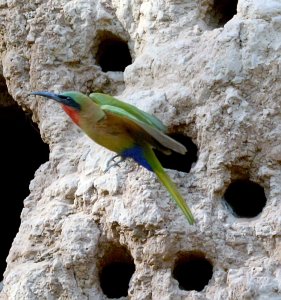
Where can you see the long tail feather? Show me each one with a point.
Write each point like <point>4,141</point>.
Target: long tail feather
<point>168,183</point>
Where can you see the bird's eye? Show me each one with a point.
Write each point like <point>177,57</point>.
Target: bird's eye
<point>69,101</point>
<point>65,97</point>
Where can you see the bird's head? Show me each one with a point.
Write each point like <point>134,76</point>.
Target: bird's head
<point>72,102</point>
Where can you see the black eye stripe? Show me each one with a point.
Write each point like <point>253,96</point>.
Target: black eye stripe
<point>65,97</point>
<point>67,100</point>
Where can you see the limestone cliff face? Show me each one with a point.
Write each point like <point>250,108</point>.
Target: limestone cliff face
<point>217,83</point>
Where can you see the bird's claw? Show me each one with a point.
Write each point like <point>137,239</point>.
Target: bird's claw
<point>115,163</point>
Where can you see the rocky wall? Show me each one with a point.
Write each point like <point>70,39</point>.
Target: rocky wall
<point>211,72</point>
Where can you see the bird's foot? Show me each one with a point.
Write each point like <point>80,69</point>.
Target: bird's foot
<point>109,164</point>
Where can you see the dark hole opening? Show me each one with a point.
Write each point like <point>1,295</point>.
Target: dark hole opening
<point>22,151</point>
<point>245,198</point>
<point>222,11</point>
<point>192,271</point>
<point>116,270</point>
<point>113,53</point>
<point>177,161</point>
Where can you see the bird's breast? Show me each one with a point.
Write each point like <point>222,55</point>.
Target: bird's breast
<point>111,133</point>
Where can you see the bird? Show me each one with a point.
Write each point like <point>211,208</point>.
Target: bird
<point>125,130</point>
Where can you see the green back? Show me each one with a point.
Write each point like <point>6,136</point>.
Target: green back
<point>131,111</point>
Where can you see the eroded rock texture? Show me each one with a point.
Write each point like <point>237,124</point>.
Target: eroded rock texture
<point>211,72</point>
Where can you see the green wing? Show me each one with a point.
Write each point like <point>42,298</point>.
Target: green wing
<point>158,135</point>
<point>103,99</point>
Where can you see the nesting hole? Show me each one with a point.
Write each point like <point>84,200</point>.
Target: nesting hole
<point>22,151</point>
<point>245,198</point>
<point>115,271</point>
<point>113,53</point>
<point>221,12</point>
<point>192,271</point>
<point>176,161</point>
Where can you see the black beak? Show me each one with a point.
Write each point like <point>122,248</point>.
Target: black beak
<point>66,100</point>
<point>50,95</point>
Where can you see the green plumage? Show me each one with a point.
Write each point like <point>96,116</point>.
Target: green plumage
<point>124,129</point>
<point>167,182</point>
<point>103,99</point>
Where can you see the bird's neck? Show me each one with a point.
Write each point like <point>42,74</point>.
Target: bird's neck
<point>73,113</point>
<point>90,114</point>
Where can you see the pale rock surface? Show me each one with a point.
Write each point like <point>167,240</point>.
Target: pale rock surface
<point>220,86</point>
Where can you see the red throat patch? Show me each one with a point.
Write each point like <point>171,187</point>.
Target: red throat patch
<point>74,115</point>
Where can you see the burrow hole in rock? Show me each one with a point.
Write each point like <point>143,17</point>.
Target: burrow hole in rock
<point>192,271</point>
<point>113,52</point>
<point>245,198</point>
<point>22,151</point>
<point>176,161</point>
<point>221,12</point>
<point>115,271</point>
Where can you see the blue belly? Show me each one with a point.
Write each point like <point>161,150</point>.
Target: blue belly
<point>137,154</point>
